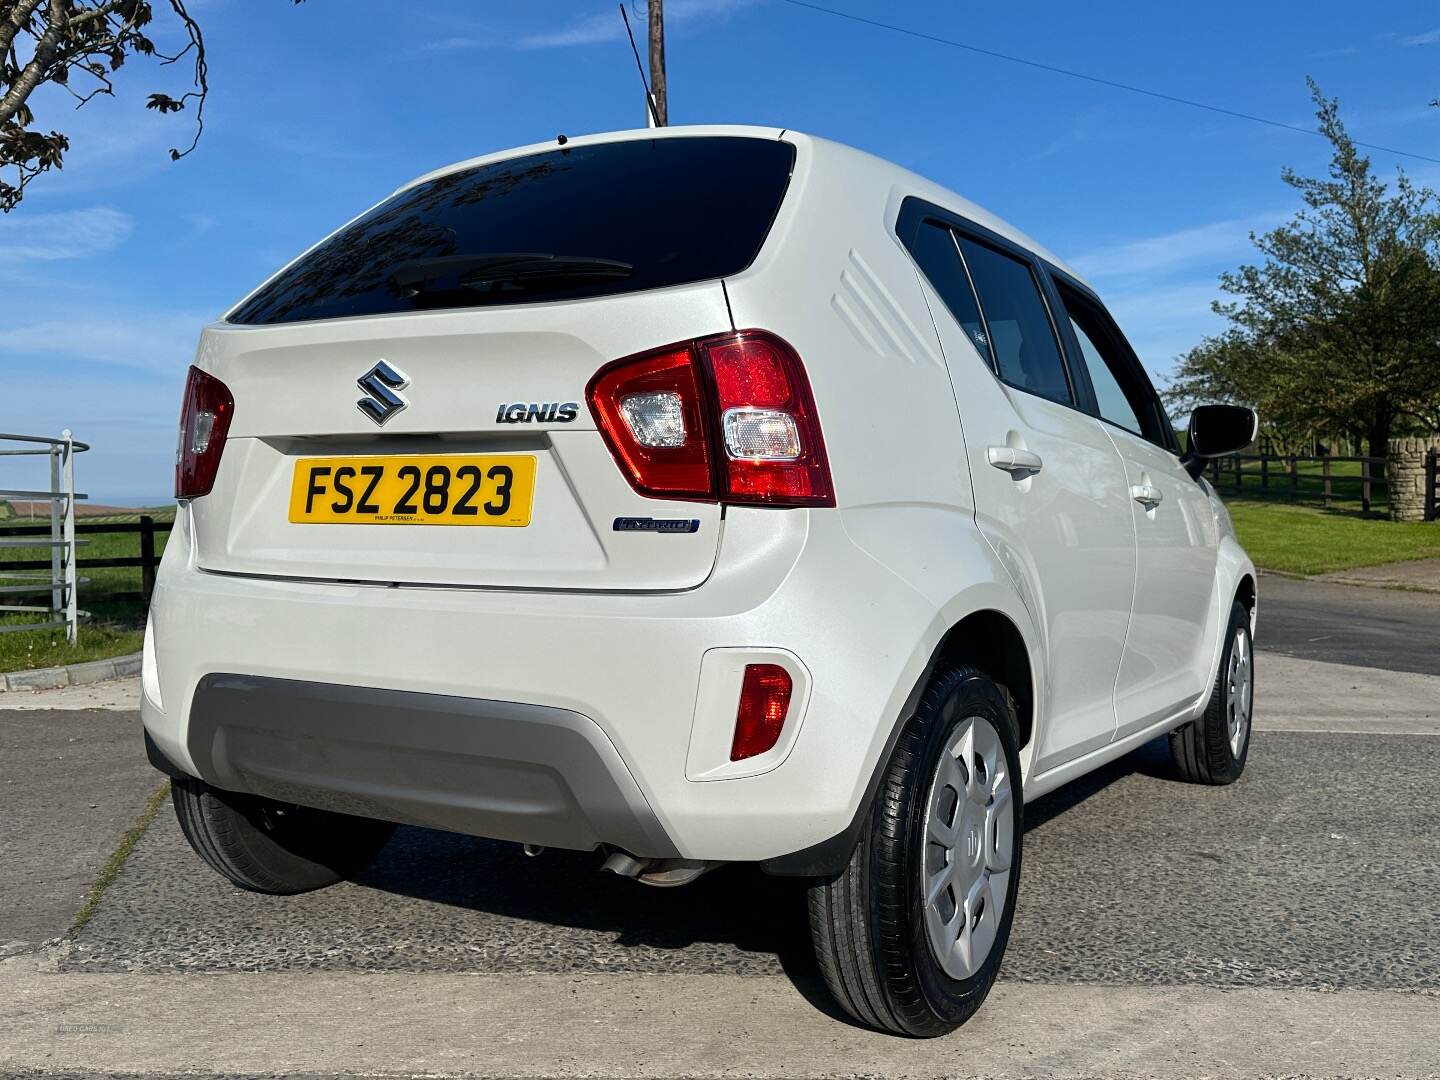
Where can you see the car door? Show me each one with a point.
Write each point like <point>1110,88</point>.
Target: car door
<point>1166,663</point>
<point>1051,493</point>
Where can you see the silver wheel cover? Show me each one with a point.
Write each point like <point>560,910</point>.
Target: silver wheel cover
<point>1239,691</point>
<point>969,841</point>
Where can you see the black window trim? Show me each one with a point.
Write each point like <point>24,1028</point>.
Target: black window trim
<point>916,212</point>
<point>228,317</point>
<point>1136,370</point>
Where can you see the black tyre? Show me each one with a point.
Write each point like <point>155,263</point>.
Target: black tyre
<point>910,935</point>
<point>1212,749</point>
<point>273,847</point>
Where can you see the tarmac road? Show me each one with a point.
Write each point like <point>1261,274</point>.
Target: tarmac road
<point>1287,925</point>
<point>1389,629</point>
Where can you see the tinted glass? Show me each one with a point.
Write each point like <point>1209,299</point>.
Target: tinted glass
<point>1026,353</point>
<point>1114,406</point>
<point>1123,393</point>
<point>938,258</point>
<point>675,210</point>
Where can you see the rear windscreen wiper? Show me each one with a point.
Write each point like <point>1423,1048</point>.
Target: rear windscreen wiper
<point>449,279</point>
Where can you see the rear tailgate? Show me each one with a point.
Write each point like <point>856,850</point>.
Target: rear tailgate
<point>493,293</point>
<point>296,393</point>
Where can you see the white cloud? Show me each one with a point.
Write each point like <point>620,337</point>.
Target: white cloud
<point>1204,244</point>
<point>157,341</point>
<point>591,30</point>
<point>456,43</point>
<point>608,26</point>
<point>1160,288</point>
<point>1430,37</point>
<point>68,234</point>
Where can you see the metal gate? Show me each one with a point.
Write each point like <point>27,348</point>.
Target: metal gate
<point>60,583</point>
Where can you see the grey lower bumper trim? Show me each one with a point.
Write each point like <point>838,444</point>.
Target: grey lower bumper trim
<point>500,769</point>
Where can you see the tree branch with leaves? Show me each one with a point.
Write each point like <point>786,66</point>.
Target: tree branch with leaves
<point>79,45</point>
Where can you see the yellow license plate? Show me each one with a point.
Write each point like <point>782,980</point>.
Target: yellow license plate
<point>429,489</point>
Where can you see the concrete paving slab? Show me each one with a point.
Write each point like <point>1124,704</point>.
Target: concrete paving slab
<point>1319,870</point>
<point>1312,695</point>
<point>71,784</point>
<point>114,694</point>
<point>333,1023</point>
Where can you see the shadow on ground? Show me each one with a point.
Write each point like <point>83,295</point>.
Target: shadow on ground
<point>1130,877</point>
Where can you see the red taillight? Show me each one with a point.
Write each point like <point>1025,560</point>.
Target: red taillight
<point>764,701</point>
<point>773,452</point>
<point>204,420</point>
<point>725,418</point>
<point>649,410</point>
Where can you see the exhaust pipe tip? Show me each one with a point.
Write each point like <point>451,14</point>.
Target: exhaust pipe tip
<point>662,873</point>
<point>625,865</point>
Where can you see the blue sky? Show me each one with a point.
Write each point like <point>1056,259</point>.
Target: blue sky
<point>108,270</point>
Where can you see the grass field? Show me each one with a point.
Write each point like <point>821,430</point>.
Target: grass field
<point>1306,540</point>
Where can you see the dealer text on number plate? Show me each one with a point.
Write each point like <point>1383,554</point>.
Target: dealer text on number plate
<point>428,489</point>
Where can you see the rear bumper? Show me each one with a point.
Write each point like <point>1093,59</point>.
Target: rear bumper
<point>515,772</point>
<point>566,720</point>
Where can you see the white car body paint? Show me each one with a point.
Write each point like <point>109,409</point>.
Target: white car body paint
<point>1121,609</point>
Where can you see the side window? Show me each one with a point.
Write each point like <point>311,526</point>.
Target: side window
<point>1027,355</point>
<point>938,258</point>
<point>1114,406</point>
<point>1122,391</point>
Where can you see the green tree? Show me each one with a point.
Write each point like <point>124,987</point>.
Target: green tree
<point>1338,328</point>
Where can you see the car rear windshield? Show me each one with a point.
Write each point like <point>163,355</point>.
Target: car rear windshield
<point>572,222</point>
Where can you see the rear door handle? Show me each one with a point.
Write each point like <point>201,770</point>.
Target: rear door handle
<point>1147,495</point>
<point>1018,463</point>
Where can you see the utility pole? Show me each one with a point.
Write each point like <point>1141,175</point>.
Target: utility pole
<point>657,62</point>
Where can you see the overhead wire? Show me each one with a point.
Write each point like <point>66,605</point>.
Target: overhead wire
<point>1098,80</point>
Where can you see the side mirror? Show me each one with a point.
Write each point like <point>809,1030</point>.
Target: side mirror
<point>1217,430</point>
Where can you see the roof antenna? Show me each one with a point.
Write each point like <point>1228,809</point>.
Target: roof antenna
<point>652,118</point>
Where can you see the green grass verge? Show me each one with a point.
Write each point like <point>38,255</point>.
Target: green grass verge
<point>1306,540</point>
<point>113,865</point>
<point>27,650</point>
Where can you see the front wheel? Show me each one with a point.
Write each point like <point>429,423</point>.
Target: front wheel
<point>910,935</point>
<point>1213,747</point>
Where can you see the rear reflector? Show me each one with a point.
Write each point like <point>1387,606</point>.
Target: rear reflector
<point>764,701</point>
<point>204,420</point>
<point>728,418</point>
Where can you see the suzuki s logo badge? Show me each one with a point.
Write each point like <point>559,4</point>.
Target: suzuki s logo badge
<point>381,402</point>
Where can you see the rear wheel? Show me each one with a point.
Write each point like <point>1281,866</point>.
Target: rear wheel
<point>1212,748</point>
<point>909,937</point>
<point>273,847</point>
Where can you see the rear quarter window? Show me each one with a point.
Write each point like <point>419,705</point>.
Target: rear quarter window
<point>672,210</point>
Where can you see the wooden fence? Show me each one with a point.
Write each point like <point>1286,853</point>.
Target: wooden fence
<point>1280,475</point>
<point>147,561</point>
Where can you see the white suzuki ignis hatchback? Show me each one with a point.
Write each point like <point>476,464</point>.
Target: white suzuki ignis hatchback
<point>698,495</point>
